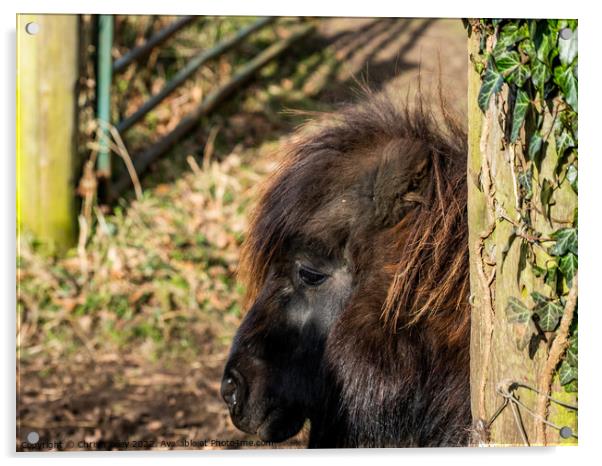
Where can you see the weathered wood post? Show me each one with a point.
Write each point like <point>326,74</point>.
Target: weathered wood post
<point>522,164</point>
<point>47,66</point>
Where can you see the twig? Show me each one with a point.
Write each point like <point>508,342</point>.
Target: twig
<point>125,156</point>
<point>85,340</point>
<point>556,353</point>
<point>209,146</point>
<point>87,188</point>
<point>520,229</point>
<point>104,228</point>
<point>194,165</point>
<point>81,245</point>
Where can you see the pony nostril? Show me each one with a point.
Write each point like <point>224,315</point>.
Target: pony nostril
<point>229,391</point>
<point>232,390</point>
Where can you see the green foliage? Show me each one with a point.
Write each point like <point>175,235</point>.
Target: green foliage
<point>492,83</point>
<point>571,175</point>
<point>535,145</point>
<point>567,373</point>
<point>571,353</point>
<point>521,106</point>
<point>548,311</point>
<point>566,241</point>
<point>517,312</point>
<point>568,267</point>
<point>564,77</point>
<point>536,62</point>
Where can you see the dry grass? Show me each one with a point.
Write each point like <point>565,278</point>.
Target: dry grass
<point>127,340</point>
<point>148,276</point>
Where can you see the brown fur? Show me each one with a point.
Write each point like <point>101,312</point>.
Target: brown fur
<point>404,334</point>
<point>429,264</point>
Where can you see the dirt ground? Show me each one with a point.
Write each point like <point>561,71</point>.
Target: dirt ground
<point>96,397</point>
<point>395,54</point>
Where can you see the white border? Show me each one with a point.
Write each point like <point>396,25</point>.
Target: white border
<point>590,173</point>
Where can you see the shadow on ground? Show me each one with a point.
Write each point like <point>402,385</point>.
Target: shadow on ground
<point>326,71</point>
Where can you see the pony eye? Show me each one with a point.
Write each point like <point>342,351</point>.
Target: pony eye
<point>311,277</point>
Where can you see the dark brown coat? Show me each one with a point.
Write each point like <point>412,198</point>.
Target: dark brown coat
<point>370,203</point>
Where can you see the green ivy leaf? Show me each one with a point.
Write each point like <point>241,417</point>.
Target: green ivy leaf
<point>545,44</point>
<point>528,48</point>
<point>517,312</point>
<point>538,298</point>
<point>512,32</point>
<point>571,356</point>
<point>571,176</point>
<point>567,48</point>
<point>566,81</point>
<point>535,145</point>
<point>540,74</point>
<point>492,83</point>
<point>571,387</point>
<point>564,140</point>
<point>521,105</point>
<point>568,266</point>
<point>509,34</point>
<point>520,316</point>
<point>506,61</point>
<point>567,373</point>
<point>549,311</point>
<point>519,76</point>
<point>566,241</point>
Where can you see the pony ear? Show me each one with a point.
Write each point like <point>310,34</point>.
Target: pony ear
<point>402,181</point>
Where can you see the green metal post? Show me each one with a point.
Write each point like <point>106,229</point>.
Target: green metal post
<point>105,75</point>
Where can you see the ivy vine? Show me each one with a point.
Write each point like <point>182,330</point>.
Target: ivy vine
<point>537,61</point>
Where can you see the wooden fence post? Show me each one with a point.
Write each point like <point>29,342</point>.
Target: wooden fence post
<point>508,354</point>
<point>46,127</point>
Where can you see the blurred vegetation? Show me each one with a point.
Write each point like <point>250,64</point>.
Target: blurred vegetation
<point>148,274</point>
<point>249,118</point>
<point>158,273</point>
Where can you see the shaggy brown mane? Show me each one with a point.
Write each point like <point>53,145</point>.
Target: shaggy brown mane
<point>429,279</point>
